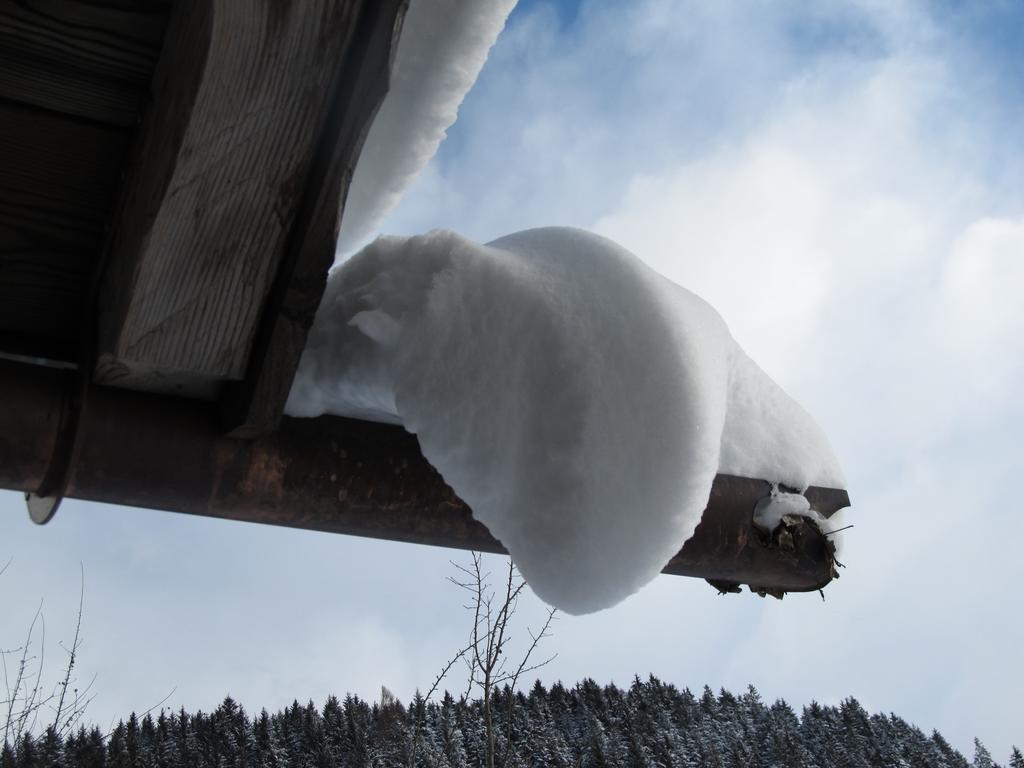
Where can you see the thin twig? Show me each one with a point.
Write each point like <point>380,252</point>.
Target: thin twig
<point>72,654</point>
<point>418,725</point>
<point>522,669</point>
<point>15,720</point>
<point>486,655</point>
<point>159,703</point>
<point>33,703</point>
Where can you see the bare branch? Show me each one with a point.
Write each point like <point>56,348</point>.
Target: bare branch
<point>72,655</point>
<point>159,703</point>
<point>33,707</point>
<point>418,727</point>
<point>29,695</point>
<point>486,655</point>
<point>523,668</point>
<point>14,720</point>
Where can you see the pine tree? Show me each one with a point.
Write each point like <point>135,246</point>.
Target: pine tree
<point>132,741</point>
<point>661,732</point>
<point>944,755</point>
<point>186,739</point>
<point>857,736</point>
<point>334,728</point>
<point>50,749</point>
<point>266,756</point>
<point>448,735</point>
<point>632,722</point>
<point>814,734</point>
<point>357,731</point>
<point>279,741</point>
<point>26,753</point>
<point>391,740</point>
<point>1016,759</point>
<point>982,758</point>
<point>708,703</point>
<point>147,743</point>
<point>776,740</point>
<point>649,724</point>
<point>166,743</point>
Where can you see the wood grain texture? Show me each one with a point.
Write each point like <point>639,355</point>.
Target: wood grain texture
<point>148,171</point>
<point>241,93</point>
<point>73,77</point>
<point>42,297</point>
<point>89,59</point>
<point>58,180</point>
<point>56,172</point>
<point>255,406</point>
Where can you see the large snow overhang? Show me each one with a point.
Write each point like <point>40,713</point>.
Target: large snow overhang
<point>168,212</point>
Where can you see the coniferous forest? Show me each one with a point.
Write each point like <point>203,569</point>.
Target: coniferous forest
<point>649,724</point>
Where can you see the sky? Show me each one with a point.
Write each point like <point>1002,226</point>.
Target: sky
<point>844,183</point>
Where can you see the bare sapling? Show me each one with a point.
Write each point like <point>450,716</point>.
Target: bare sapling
<point>485,656</point>
<point>27,696</point>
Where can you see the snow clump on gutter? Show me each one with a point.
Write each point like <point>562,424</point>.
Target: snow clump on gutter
<point>579,402</point>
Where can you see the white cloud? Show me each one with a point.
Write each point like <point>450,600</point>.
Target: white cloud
<point>982,292</point>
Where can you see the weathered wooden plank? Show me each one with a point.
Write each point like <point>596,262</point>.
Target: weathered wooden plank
<point>60,170</point>
<point>68,90</point>
<point>88,59</point>
<point>148,171</point>
<point>255,406</point>
<point>241,93</point>
<point>42,295</point>
<point>58,178</point>
<point>118,40</point>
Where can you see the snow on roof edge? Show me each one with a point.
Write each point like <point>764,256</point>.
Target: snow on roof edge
<point>441,50</point>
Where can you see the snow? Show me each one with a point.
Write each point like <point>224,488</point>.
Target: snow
<point>768,435</point>
<point>578,401</point>
<point>770,510</point>
<point>441,49</point>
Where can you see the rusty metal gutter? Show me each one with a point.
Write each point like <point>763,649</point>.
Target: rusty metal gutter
<point>326,474</point>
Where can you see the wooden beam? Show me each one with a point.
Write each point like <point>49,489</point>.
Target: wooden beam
<point>57,175</point>
<point>42,301</point>
<point>58,181</point>
<point>88,59</point>
<point>255,405</point>
<point>241,94</point>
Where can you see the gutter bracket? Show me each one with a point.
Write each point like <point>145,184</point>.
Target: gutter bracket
<point>43,503</point>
